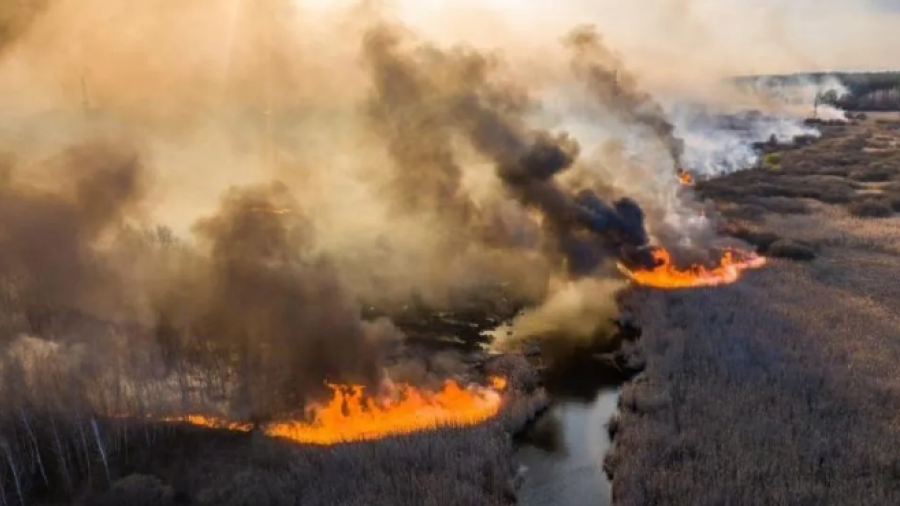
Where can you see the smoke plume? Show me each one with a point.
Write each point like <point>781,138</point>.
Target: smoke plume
<point>281,308</point>
<point>491,116</point>
<point>16,18</point>
<point>198,198</point>
<point>54,221</point>
<point>576,317</point>
<point>613,86</point>
<point>249,308</point>
<point>186,277</point>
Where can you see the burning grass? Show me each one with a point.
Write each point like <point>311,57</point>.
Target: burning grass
<point>781,389</point>
<point>667,275</point>
<point>427,437</point>
<point>354,415</point>
<point>351,416</point>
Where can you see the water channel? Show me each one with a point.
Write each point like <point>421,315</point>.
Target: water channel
<point>563,452</point>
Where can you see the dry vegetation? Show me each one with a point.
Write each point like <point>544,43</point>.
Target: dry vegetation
<point>781,389</point>
<point>61,458</point>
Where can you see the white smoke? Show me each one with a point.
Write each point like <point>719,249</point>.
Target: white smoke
<point>718,143</point>
<point>800,94</point>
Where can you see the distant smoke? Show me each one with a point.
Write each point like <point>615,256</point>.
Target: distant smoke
<point>799,95</point>
<point>719,137</point>
<point>610,83</point>
<point>718,143</point>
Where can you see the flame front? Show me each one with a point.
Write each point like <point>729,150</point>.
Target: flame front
<point>210,422</point>
<point>351,416</point>
<point>685,177</point>
<point>667,275</point>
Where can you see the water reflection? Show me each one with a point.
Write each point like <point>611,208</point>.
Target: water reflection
<point>563,453</point>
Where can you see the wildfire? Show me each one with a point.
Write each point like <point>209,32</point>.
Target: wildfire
<point>351,415</point>
<point>685,177</point>
<point>210,422</point>
<point>667,275</point>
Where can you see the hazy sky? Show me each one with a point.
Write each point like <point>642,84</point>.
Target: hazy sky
<point>739,36</point>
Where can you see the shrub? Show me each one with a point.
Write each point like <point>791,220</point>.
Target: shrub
<point>791,250</point>
<point>772,160</point>
<point>895,203</point>
<point>875,173</point>
<point>871,208</point>
<point>761,239</point>
<point>783,205</point>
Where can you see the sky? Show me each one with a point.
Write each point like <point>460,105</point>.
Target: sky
<point>725,36</point>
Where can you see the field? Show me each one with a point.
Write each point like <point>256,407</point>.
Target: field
<point>780,389</point>
<point>51,460</point>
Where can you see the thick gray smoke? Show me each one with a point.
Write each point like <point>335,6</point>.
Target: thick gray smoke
<point>612,85</point>
<point>258,303</point>
<point>490,115</point>
<point>51,231</point>
<point>423,170</point>
<point>250,310</point>
<point>406,109</point>
<point>16,18</point>
<point>278,307</point>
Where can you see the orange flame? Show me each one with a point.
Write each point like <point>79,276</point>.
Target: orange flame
<point>685,177</point>
<point>210,422</point>
<point>351,416</point>
<point>667,275</point>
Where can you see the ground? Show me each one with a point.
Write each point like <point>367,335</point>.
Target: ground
<point>154,464</point>
<point>781,389</point>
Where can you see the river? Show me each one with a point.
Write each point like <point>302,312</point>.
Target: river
<point>562,453</point>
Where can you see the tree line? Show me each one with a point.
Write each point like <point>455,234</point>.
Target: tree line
<point>864,91</point>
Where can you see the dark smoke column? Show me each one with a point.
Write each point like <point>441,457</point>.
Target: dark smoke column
<point>490,115</point>
<point>277,310</point>
<point>617,90</point>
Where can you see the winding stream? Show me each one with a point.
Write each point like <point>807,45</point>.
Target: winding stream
<point>563,453</point>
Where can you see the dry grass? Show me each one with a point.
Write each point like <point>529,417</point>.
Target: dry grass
<point>781,389</point>
<point>58,443</point>
<point>853,166</point>
<point>453,466</point>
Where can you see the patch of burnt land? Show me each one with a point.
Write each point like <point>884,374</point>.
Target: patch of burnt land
<point>781,388</point>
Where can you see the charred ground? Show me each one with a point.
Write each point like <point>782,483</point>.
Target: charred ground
<point>780,389</point>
